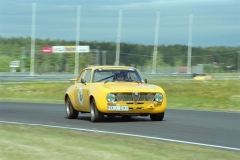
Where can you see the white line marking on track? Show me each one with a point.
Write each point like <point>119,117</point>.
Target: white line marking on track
<point>125,134</point>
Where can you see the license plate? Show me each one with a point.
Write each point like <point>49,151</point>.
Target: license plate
<point>118,108</point>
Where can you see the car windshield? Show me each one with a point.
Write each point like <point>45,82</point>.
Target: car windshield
<point>101,75</point>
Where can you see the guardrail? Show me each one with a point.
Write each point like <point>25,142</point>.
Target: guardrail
<point>26,77</point>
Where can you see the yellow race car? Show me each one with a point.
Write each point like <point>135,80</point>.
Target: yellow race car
<point>114,91</point>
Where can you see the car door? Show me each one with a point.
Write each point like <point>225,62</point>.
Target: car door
<point>82,91</point>
<point>78,93</point>
<point>85,90</point>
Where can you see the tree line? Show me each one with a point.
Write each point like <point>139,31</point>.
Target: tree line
<point>19,48</point>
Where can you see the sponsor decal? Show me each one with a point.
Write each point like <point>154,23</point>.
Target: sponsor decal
<point>58,49</point>
<point>14,64</point>
<point>70,49</point>
<point>82,49</point>
<point>47,49</point>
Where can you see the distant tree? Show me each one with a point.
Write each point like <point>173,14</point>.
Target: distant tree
<point>159,61</point>
<point>179,62</point>
<point>5,61</point>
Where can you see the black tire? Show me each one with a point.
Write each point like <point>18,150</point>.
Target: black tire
<point>70,111</point>
<point>157,117</point>
<point>95,114</point>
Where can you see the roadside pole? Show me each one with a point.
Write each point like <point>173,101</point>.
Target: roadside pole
<point>23,57</point>
<point>97,58</point>
<point>189,57</point>
<point>77,40</point>
<point>118,38</point>
<point>154,64</point>
<point>33,39</point>
<point>104,58</point>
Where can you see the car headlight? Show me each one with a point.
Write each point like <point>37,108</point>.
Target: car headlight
<point>158,97</point>
<point>119,97</point>
<point>110,97</point>
<point>150,97</point>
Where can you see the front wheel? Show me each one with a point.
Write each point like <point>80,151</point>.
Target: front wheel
<point>157,117</point>
<point>95,114</point>
<point>70,111</point>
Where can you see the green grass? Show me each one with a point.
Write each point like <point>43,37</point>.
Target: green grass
<point>226,75</point>
<point>34,92</point>
<point>203,95</point>
<point>33,142</point>
<point>181,94</point>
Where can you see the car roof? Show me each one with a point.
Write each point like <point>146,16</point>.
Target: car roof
<point>111,67</point>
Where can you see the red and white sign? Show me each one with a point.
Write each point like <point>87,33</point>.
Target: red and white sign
<point>47,49</point>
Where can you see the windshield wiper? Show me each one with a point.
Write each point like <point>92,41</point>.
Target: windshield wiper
<point>105,82</point>
<point>105,78</point>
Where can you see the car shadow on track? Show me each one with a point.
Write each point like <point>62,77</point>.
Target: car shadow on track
<point>117,119</point>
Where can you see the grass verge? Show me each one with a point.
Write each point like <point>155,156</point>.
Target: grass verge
<point>181,94</point>
<point>33,142</point>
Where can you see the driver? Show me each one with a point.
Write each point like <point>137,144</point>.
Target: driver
<point>120,77</point>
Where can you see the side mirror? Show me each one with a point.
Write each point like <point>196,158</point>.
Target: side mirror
<point>83,81</point>
<point>145,80</point>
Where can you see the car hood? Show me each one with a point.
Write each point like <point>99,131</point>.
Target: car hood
<point>130,87</point>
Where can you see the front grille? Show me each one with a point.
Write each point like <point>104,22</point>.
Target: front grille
<point>128,97</point>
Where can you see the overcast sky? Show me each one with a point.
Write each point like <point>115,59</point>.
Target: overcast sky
<point>215,22</point>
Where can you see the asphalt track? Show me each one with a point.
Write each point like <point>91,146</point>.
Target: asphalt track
<point>194,127</point>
